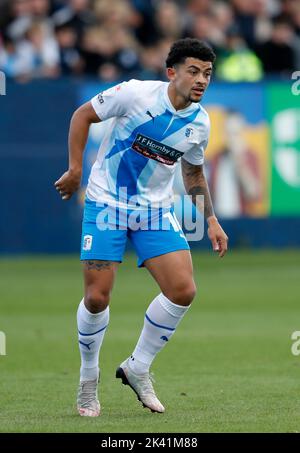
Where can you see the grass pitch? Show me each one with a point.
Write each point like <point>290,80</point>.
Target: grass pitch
<point>228,368</point>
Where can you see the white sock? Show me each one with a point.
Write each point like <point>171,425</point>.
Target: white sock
<point>91,330</point>
<point>161,319</point>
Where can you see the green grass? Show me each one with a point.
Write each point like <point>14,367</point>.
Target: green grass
<point>228,368</point>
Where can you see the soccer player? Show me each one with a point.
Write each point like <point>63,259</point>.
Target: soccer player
<point>155,126</point>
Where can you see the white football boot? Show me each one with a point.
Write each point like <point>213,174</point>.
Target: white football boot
<point>87,402</point>
<point>141,384</point>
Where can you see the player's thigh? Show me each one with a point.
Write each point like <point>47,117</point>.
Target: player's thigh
<point>99,277</point>
<point>174,274</point>
<point>161,236</point>
<point>102,248</point>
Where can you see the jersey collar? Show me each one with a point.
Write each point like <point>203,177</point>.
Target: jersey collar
<point>191,108</point>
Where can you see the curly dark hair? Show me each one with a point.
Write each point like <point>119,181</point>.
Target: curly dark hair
<point>189,47</point>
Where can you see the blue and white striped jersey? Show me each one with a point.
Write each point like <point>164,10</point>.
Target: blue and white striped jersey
<point>143,144</point>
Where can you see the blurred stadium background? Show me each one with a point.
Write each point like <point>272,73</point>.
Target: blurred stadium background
<point>58,54</point>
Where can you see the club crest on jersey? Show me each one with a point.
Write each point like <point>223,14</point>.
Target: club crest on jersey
<point>193,135</point>
<point>87,242</point>
<point>188,132</point>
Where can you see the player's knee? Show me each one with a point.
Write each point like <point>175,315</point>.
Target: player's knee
<point>96,300</point>
<point>183,294</point>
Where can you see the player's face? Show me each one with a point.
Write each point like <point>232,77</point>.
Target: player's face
<point>191,78</point>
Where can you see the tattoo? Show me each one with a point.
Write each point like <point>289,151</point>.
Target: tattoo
<point>196,184</point>
<point>97,265</point>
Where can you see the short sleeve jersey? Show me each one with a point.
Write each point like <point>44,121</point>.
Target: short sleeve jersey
<point>143,144</point>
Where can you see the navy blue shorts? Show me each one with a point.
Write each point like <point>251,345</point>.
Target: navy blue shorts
<point>105,230</point>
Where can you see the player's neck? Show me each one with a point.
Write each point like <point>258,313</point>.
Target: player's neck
<point>178,102</point>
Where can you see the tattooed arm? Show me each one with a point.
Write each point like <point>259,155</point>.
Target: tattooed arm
<point>196,184</point>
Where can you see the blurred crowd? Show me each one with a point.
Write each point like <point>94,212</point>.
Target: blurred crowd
<point>112,39</point>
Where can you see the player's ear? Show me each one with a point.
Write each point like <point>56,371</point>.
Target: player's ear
<point>171,73</point>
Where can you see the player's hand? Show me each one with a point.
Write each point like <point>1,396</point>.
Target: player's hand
<point>68,183</point>
<point>217,235</point>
